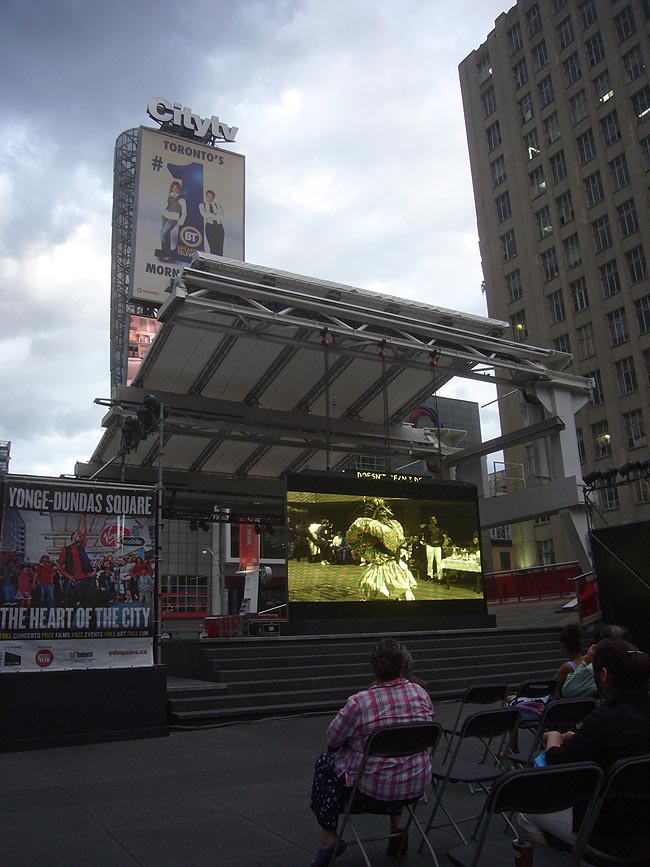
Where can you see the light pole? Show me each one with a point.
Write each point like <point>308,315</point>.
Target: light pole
<point>220,576</point>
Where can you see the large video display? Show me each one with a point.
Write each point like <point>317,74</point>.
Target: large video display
<point>381,538</point>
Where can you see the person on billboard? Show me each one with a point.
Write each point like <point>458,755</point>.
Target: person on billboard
<point>213,216</point>
<point>173,217</point>
<point>433,544</point>
<point>142,581</point>
<point>25,584</point>
<point>378,539</point>
<point>45,572</point>
<point>74,564</point>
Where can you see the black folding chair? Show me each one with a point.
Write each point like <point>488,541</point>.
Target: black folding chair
<point>562,715</point>
<point>490,693</point>
<point>484,727</point>
<point>536,688</point>
<point>628,782</point>
<point>392,741</point>
<point>531,790</point>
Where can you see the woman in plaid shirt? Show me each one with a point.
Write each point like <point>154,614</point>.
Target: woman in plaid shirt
<point>392,699</point>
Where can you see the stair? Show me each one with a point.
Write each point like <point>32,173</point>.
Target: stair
<point>280,676</point>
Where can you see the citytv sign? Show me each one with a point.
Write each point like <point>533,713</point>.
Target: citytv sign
<point>163,111</point>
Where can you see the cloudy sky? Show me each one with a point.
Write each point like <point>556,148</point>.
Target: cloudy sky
<point>350,117</point>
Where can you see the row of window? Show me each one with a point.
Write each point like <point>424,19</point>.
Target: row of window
<point>626,381</point>
<point>633,429</point>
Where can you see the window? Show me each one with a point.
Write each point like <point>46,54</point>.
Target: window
<point>493,134</point>
<point>520,73</point>
<point>545,88</point>
<point>572,71</point>
<point>601,439</point>
<point>610,128</point>
<point>545,551</point>
<point>626,377</point>
<point>526,109</point>
<point>540,56</point>
<point>585,338</point>
<point>595,49</point>
<point>597,393</point>
<point>582,454</point>
<point>572,251</point>
<point>498,169</point>
<point>564,207</point>
<point>556,311</point>
<point>636,264</point>
<point>586,146</point>
<point>643,314</point>
<point>609,279</point>
<point>504,211</point>
<point>609,496</point>
<point>549,263</point>
<point>534,20</point>
<point>618,330</point>
<point>646,361</point>
<point>641,491</point>
<point>537,182</point>
<point>641,102</point>
<point>559,4</point>
<point>645,152</point>
<point>513,285</point>
<point>594,189</point>
<point>579,294</point>
<point>602,233</point>
<point>625,25</point>
<point>515,42</point>
<point>587,13</point>
<point>531,144</point>
<point>562,343</point>
<point>552,128</point>
<point>544,226</point>
<point>619,172</point>
<point>484,68</point>
<point>579,107</point>
<point>558,166</point>
<point>565,32</point>
<point>508,245</point>
<point>603,87</point>
<point>634,63</point>
<point>519,329</point>
<point>645,5</point>
<point>488,101</point>
<point>634,429</point>
<point>627,218</point>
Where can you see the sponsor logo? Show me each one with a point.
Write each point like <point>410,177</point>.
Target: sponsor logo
<point>44,658</point>
<point>132,541</point>
<point>12,658</point>
<point>80,654</point>
<point>163,111</point>
<point>126,652</point>
<point>191,237</point>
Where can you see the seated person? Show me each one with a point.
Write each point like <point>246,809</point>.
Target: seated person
<point>580,683</point>
<point>618,728</point>
<point>392,699</point>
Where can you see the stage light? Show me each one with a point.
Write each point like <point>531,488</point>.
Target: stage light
<point>610,473</point>
<point>194,526</point>
<point>628,468</point>
<point>592,478</point>
<point>204,525</point>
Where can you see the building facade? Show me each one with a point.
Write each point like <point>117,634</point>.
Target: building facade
<point>557,110</point>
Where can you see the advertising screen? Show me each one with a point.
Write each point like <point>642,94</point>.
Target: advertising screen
<point>368,540</point>
<point>76,575</point>
<point>189,199</point>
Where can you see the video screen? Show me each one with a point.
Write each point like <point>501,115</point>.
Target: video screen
<point>381,540</point>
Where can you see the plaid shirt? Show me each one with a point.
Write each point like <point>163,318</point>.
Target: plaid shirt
<point>389,703</point>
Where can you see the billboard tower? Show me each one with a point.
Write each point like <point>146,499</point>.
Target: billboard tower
<point>176,192</point>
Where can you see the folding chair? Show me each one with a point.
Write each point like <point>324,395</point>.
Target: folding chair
<point>627,779</point>
<point>531,790</point>
<point>561,715</point>
<point>391,741</point>
<point>490,693</point>
<point>483,726</point>
<point>536,688</point>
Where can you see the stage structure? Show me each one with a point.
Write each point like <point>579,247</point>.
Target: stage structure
<point>265,373</point>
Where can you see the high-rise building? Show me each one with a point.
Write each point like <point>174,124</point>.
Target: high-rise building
<point>557,110</point>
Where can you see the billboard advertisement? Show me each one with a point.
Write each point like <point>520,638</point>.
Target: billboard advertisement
<point>189,199</point>
<point>76,575</point>
<point>142,330</point>
<point>373,543</point>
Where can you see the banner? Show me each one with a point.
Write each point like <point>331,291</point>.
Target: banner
<point>76,575</point>
<point>189,199</point>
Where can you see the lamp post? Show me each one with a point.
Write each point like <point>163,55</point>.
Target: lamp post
<point>220,576</point>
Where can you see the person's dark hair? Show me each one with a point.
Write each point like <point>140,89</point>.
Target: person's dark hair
<point>628,667</point>
<point>611,630</point>
<point>387,659</point>
<point>570,637</point>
